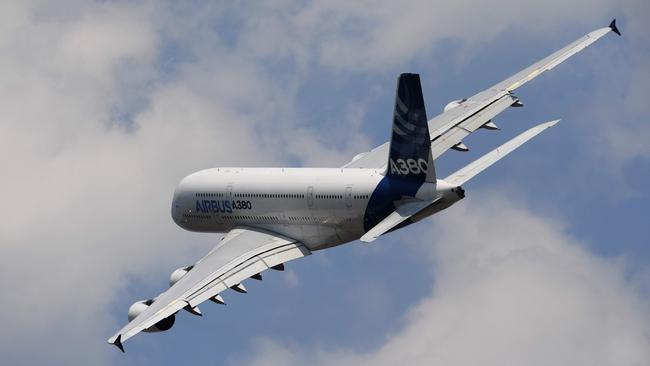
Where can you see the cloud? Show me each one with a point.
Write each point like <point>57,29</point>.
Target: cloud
<point>511,287</point>
<point>90,179</point>
<point>622,130</point>
<point>379,35</point>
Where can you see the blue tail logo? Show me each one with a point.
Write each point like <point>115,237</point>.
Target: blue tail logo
<point>410,144</point>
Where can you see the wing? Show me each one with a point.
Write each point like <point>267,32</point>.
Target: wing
<point>449,128</point>
<point>242,253</point>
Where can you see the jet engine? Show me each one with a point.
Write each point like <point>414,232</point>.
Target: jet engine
<point>178,274</point>
<point>453,104</point>
<point>140,306</point>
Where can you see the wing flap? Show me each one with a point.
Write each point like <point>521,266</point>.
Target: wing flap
<point>456,134</point>
<point>247,268</point>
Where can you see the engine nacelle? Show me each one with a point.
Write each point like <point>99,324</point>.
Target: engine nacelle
<point>178,274</point>
<point>140,306</point>
<point>453,104</point>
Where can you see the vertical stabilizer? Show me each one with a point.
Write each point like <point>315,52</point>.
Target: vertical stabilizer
<point>410,144</point>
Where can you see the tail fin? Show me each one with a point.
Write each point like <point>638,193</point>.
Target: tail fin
<point>410,144</point>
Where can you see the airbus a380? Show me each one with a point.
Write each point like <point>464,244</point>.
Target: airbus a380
<point>273,215</point>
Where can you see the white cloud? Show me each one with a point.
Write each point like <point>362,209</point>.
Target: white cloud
<point>510,288</point>
<point>622,129</point>
<point>377,35</point>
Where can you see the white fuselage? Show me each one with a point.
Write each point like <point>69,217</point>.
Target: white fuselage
<point>321,207</point>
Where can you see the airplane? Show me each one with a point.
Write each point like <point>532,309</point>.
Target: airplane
<point>273,215</point>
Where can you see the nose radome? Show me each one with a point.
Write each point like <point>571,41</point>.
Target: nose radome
<point>176,210</point>
<point>182,195</point>
<point>177,201</point>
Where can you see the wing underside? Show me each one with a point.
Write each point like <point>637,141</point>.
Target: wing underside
<point>242,253</point>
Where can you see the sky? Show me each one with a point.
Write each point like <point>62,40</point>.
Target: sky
<point>105,106</point>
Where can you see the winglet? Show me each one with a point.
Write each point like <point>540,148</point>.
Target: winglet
<point>118,343</point>
<point>614,28</point>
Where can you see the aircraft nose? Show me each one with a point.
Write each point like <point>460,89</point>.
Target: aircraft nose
<point>176,208</point>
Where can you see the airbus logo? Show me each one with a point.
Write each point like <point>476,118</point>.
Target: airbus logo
<point>213,206</point>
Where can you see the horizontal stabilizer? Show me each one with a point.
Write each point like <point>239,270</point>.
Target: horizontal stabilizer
<point>402,213</point>
<point>463,175</point>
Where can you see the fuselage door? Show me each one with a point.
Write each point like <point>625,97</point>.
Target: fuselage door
<point>348,197</point>
<point>310,196</point>
<point>229,191</point>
